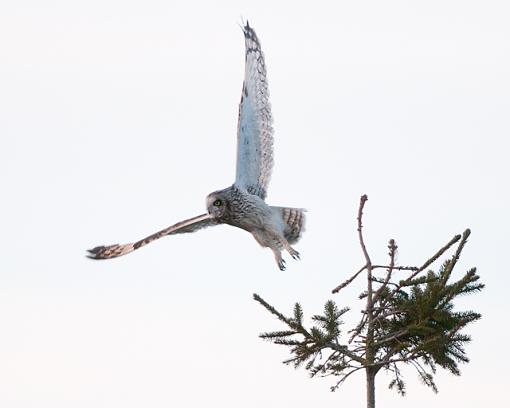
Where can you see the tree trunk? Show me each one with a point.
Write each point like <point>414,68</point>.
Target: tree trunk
<point>370,387</point>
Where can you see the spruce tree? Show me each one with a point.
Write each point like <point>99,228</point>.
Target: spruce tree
<point>406,321</point>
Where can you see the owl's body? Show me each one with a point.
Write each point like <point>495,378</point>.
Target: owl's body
<point>272,227</point>
<point>242,205</point>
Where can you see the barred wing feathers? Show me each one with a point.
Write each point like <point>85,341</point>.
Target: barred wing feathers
<point>113,251</point>
<point>255,131</point>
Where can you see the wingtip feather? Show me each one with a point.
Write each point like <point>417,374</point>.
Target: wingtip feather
<point>104,252</point>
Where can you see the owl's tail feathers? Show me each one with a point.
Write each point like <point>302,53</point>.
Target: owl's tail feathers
<point>294,219</point>
<point>110,251</point>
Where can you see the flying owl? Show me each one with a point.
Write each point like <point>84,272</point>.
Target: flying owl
<point>242,204</point>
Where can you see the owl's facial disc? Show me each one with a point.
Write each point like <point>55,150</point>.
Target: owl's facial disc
<point>215,206</point>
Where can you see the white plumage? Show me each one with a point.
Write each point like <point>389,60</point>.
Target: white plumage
<point>255,130</point>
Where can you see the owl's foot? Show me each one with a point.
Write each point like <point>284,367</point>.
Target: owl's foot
<point>278,258</point>
<point>293,253</point>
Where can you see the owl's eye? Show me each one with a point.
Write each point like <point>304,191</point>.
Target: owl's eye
<point>217,203</point>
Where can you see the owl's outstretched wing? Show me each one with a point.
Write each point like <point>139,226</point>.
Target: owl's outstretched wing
<point>113,251</point>
<point>254,129</point>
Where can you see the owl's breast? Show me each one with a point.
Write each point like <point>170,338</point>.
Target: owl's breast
<point>249,213</point>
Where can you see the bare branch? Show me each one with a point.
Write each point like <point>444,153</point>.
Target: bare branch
<point>392,246</point>
<point>375,279</point>
<point>344,377</point>
<point>362,202</point>
<point>441,251</point>
<point>396,268</point>
<point>368,263</point>
<point>343,285</point>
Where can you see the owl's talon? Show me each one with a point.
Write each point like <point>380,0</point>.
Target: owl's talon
<point>281,264</point>
<point>294,253</point>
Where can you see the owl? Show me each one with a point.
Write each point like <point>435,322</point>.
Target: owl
<point>242,204</point>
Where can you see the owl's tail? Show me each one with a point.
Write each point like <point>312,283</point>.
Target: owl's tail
<point>294,219</point>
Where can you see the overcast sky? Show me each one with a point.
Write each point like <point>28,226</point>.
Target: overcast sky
<point>117,118</point>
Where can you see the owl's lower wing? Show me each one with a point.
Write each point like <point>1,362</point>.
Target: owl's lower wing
<point>254,129</point>
<point>113,251</point>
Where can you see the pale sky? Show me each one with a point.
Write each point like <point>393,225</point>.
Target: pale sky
<point>117,118</point>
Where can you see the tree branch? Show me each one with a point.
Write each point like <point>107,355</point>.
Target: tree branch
<point>430,261</point>
<point>362,202</point>
<point>393,251</point>
<point>344,377</point>
<point>343,285</point>
<point>396,268</point>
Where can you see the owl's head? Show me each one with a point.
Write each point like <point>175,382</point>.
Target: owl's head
<point>218,204</point>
